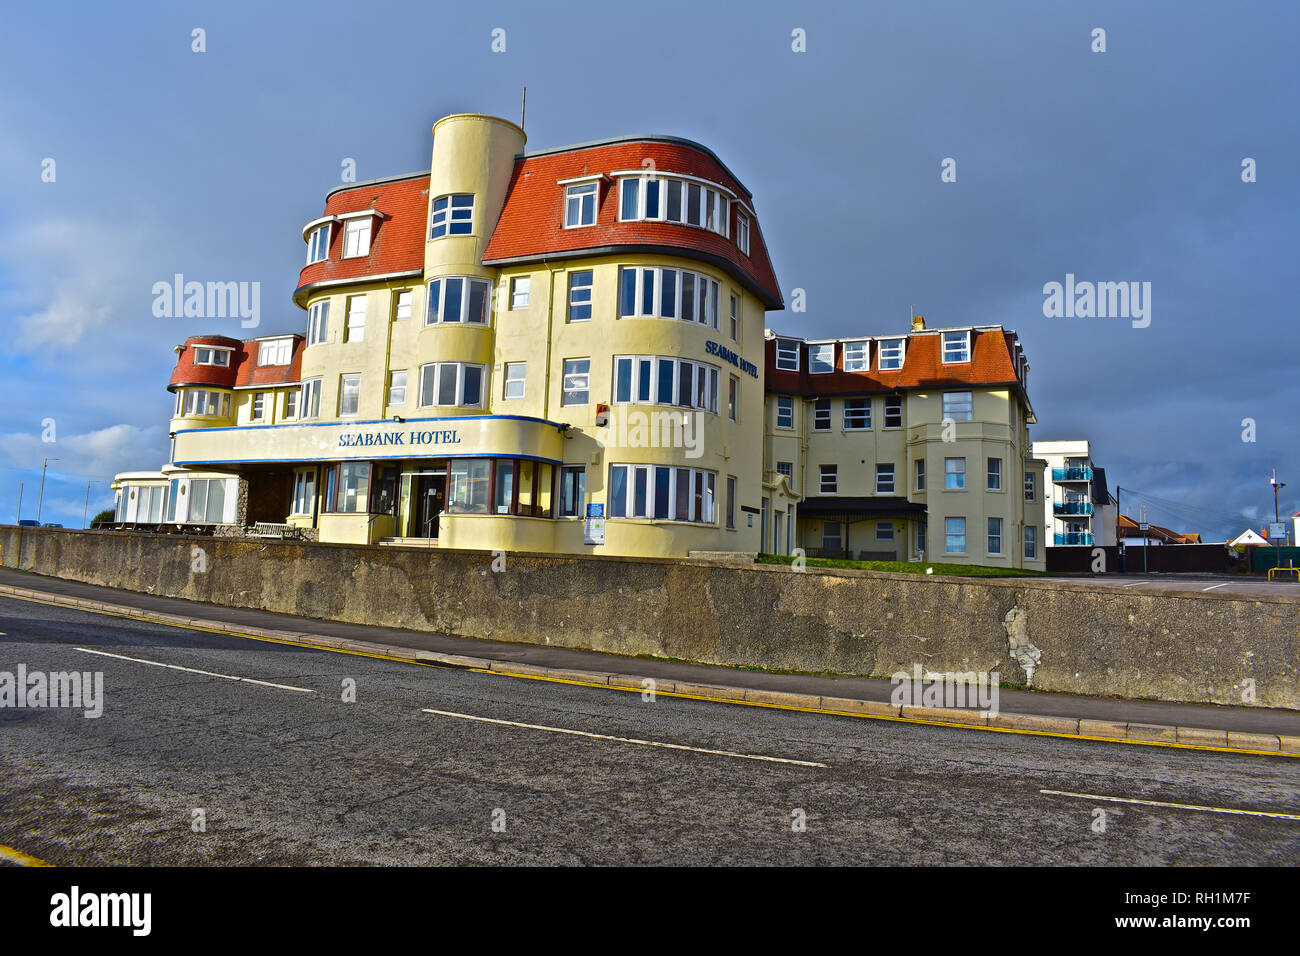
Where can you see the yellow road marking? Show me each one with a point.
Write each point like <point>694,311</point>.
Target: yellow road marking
<point>19,857</point>
<point>637,690</point>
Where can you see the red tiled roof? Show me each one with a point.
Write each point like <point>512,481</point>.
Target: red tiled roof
<point>992,363</point>
<point>532,224</point>
<point>243,369</point>
<point>187,373</point>
<point>396,240</point>
<point>248,372</point>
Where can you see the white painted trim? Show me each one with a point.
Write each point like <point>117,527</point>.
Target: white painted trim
<point>664,173</point>
<point>311,226</point>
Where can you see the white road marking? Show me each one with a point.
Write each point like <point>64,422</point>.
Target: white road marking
<point>1134,584</point>
<point>192,670</point>
<point>1176,806</point>
<point>1213,586</point>
<point>625,740</point>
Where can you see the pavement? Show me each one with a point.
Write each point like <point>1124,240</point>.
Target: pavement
<point>1235,585</point>
<point>1248,729</point>
<point>217,749</point>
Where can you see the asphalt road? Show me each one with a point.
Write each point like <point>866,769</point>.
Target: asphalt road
<point>287,772</point>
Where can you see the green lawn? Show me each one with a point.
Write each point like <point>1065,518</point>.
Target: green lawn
<point>905,567</point>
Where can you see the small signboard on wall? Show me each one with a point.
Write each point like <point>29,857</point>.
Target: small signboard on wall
<point>594,529</point>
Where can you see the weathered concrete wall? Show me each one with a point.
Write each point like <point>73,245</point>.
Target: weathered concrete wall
<point>1090,638</point>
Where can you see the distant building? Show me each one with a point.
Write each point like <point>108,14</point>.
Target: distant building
<point>907,446</point>
<point>1077,506</point>
<point>1131,533</point>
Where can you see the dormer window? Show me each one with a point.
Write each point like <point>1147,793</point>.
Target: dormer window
<point>855,356</point>
<point>580,204</point>
<point>274,352</point>
<point>787,355</point>
<point>821,359</point>
<point>742,232</point>
<point>673,199</point>
<point>356,238</point>
<point>212,355</point>
<point>956,347</point>
<point>318,243</point>
<point>891,354</point>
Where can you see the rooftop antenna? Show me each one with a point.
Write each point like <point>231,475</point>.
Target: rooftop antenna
<point>523,108</point>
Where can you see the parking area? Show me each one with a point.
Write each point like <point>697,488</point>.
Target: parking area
<point>1236,584</point>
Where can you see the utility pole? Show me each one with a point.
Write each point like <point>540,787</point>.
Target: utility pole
<point>41,497</point>
<point>1119,542</point>
<point>20,503</point>
<point>86,510</point>
<point>1146,540</point>
<point>1276,517</point>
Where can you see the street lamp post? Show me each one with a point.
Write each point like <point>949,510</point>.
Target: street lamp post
<point>40,499</point>
<point>86,509</point>
<point>1277,519</point>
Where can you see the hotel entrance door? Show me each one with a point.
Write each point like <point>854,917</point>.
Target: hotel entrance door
<point>428,494</point>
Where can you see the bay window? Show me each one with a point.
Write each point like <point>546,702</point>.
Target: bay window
<point>679,494</point>
<point>451,383</point>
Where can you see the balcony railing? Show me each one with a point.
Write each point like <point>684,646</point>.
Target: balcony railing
<point>1072,508</point>
<point>1074,537</point>
<point>1072,474</point>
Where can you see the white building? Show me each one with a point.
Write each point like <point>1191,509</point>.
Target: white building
<point>1078,507</point>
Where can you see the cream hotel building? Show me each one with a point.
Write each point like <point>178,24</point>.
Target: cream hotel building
<point>565,351</point>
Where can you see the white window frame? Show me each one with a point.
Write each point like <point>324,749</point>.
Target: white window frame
<point>403,304</point>
<point>581,296</point>
<point>397,392</point>
<point>825,486</point>
<point>519,288</point>
<point>1030,490</point>
<point>704,380</point>
<point>992,474</point>
<point>735,318</point>
<point>785,403</point>
<point>451,216</point>
<point>742,232</point>
<point>898,399</point>
<point>218,356</point>
<point>304,493</point>
<point>857,356</point>
<point>274,352</point>
<point>818,363</point>
<point>309,405</point>
<point>949,534</point>
<point>699,510</point>
<point>318,322</point>
<point>516,373</point>
<point>354,322</point>
<point>347,379</point>
<point>575,199</point>
<point>993,523</point>
<point>570,380</point>
<point>890,354</point>
<point>318,243</point>
<point>951,399</point>
<point>438,370</point>
<point>861,417</point>
<point>1031,542</point>
<point>956,474</point>
<point>356,237</point>
<point>823,410</point>
<point>883,477</point>
<point>714,206</point>
<point>291,400</point>
<point>884,531</point>
<point>258,411</point>
<point>787,352</point>
<point>918,475</point>
<point>467,284</point>
<point>956,356</point>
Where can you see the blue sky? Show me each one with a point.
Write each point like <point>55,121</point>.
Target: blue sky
<point>1115,166</point>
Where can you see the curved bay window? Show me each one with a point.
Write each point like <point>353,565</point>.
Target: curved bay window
<point>361,487</point>
<point>501,486</point>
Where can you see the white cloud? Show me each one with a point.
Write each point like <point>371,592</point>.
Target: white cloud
<point>104,452</point>
<point>73,275</point>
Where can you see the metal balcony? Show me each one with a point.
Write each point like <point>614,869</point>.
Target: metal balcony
<point>1072,474</point>
<point>1072,508</point>
<point>1074,537</point>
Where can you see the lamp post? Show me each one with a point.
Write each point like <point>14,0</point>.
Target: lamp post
<point>1276,517</point>
<point>86,509</point>
<point>40,499</point>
